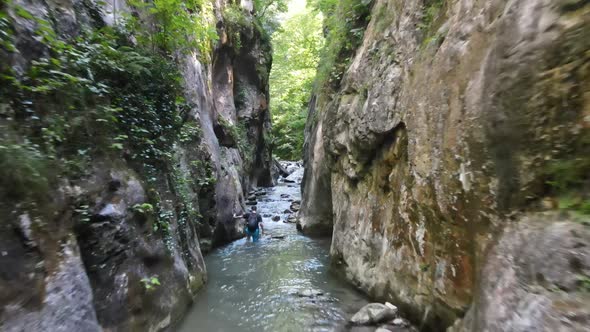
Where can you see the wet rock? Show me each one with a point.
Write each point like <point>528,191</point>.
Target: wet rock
<point>400,322</point>
<point>309,293</point>
<point>252,197</point>
<point>397,325</point>
<point>260,193</point>
<point>394,328</point>
<point>291,219</point>
<point>276,218</point>
<point>285,196</point>
<point>251,203</point>
<point>278,236</point>
<point>288,181</point>
<point>533,279</point>
<point>295,206</point>
<point>287,211</point>
<point>374,313</point>
<point>205,245</point>
<point>281,170</point>
<point>361,329</point>
<point>266,215</point>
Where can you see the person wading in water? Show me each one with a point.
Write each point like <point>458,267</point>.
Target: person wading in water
<point>254,226</point>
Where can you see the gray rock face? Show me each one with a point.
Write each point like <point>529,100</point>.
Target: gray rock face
<point>67,302</point>
<point>438,133</point>
<point>533,279</point>
<point>82,259</point>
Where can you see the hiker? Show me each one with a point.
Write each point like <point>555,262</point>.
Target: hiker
<point>254,226</point>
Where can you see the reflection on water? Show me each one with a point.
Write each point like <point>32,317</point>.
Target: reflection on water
<point>275,284</point>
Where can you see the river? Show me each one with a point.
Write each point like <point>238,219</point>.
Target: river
<point>281,283</point>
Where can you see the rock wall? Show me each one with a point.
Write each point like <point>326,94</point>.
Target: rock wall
<point>439,137</point>
<point>79,252</point>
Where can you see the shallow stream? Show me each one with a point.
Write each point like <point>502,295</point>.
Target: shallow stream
<point>281,283</point>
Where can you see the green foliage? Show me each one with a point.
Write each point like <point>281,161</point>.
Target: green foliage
<point>92,97</point>
<point>565,174</point>
<point>190,132</point>
<point>180,25</point>
<point>236,21</point>
<point>296,47</point>
<point>431,11</point>
<point>267,12</point>
<point>345,22</point>
<point>23,172</point>
<point>144,208</point>
<point>150,283</point>
<point>239,134</point>
<point>6,33</point>
<point>569,180</point>
<point>82,211</point>
<point>584,283</point>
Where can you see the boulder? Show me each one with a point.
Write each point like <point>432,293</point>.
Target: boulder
<point>295,206</point>
<point>275,218</point>
<point>374,313</point>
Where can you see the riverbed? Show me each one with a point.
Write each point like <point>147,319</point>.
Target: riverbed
<point>281,283</point>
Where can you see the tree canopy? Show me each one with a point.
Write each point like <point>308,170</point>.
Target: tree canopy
<point>297,45</point>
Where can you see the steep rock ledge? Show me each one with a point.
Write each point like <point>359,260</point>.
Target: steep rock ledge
<point>439,136</point>
<point>114,243</point>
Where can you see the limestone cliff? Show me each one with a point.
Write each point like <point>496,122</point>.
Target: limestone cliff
<point>437,143</point>
<point>121,163</point>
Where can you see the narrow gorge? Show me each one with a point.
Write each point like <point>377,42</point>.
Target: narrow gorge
<point>445,165</point>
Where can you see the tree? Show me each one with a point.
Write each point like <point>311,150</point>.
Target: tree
<point>296,55</point>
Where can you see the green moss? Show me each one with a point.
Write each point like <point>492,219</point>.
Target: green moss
<point>431,11</point>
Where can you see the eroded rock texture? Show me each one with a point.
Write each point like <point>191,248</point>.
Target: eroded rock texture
<point>439,133</point>
<point>81,256</point>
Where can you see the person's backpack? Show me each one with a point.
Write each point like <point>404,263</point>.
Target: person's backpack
<point>252,222</point>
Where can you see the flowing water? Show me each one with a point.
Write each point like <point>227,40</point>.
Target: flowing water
<point>276,284</point>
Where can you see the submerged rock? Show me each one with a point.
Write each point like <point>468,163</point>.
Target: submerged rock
<point>308,292</point>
